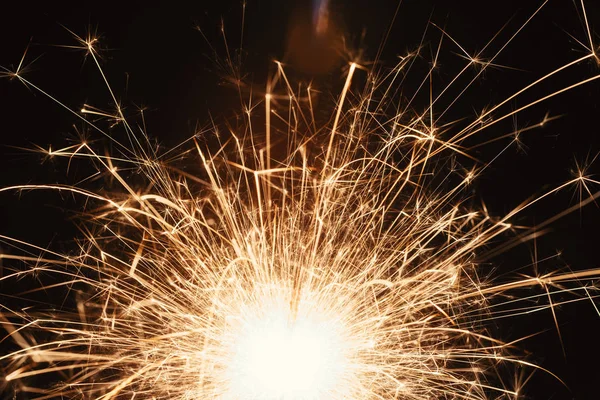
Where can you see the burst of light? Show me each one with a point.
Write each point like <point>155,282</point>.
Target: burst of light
<point>344,269</point>
<point>276,356</point>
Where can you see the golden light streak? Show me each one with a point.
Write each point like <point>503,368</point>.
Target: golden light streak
<point>346,268</point>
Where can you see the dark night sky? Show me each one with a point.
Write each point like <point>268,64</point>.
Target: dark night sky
<point>171,70</point>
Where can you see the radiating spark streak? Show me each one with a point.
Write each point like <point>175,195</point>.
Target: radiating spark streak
<point>518,93</point>
<point>520,130</point>
<point>533,103</point>
<point>588,31</point>
<point>137,258</point>
<point>28,83</point>
<point>387,34</point>
<point>351,269</point>
<point>592,300</point>
<point>552,309</point>
<point>123,384</point>
<point>494,57</point>
<point>565,277</point>
<point>15,334</point>
<point>547,222</point>
<point>339,112</point>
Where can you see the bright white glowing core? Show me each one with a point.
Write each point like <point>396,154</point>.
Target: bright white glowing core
<point>276,358</point>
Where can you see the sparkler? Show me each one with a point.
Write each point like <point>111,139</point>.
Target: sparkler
<point>303,260</point>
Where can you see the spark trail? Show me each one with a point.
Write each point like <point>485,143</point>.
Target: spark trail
<point>345,267</point>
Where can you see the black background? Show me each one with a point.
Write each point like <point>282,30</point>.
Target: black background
<point>154,56</point>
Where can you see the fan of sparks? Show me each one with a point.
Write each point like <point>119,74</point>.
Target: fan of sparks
<point>300,259</point>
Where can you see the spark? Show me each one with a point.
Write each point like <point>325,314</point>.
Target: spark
<point>347,268</point>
